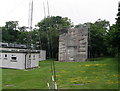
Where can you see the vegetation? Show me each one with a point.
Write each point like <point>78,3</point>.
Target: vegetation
<point>99,74</point>
<point>102,73</point>
<point>104,40</point>
<point>46,33</point>
<point>49,27</point>
<point>0,79</point>
<point>98,33</point>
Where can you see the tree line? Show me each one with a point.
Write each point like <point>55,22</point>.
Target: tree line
<point>104,40</point>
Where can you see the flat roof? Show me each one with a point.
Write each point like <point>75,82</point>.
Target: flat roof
<point>13,47</point>
<point>5,51</point>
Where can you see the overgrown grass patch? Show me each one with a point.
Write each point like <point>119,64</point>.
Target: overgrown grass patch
<point>99,74</point>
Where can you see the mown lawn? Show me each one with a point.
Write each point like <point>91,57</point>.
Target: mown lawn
<point>99,74</point>
<point>0,79</point>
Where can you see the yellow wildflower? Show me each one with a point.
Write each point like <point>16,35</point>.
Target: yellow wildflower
<point>82,71</point>
<point>63,71</point>
<point>58,76</point>
<point>89,81</point>
<point>116,75</point>
<point>74,81</point>
<point>94,72</point>
<point>87,65</point>
<point>99,64</point>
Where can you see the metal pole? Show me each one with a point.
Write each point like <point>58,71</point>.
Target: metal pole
<point>48,8</point>
<point>30,19</point>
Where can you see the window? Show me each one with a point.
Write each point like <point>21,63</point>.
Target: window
<point>5,56</point>
<point>33,57</point>
<point>29,56</point>
<point>13,58</point>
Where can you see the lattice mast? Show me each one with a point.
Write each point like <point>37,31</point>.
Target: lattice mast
<point>54,84</point>
<point>30,20</point>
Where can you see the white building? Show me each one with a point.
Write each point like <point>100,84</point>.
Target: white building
<point>18,58</point>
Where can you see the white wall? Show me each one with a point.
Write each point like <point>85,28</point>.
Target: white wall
<point>42,55</point>
<point>34,60</point>
<point>7,62</point>
<point>0,59</point>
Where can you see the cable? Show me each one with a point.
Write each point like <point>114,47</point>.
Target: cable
<point>50,48</point>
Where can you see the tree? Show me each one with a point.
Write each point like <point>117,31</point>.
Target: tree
<point>98,33</point>
<point>49,32</point>
<point>22,29</point>
<point>111,43</point>
<point>10,32</point>
<point>117,32</point>
<point>114,35</point>
<point>97,37</point>
<point>12,25</point>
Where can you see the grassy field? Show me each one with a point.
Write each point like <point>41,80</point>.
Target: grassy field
<point>0,79</point>
<point>99,74</point>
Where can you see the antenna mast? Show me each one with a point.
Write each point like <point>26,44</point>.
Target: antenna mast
<point>44,9</point>
<point>48,8</point>
<point>54,84</point>
<point>30,18</point>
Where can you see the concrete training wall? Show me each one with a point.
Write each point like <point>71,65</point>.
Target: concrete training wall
<point>73,44</point>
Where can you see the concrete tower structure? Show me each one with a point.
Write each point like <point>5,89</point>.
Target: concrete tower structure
<point>73,44</point>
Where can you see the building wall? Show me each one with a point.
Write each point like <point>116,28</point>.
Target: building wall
<point>8,62</point>
<point>73,44</point>
<point>12,49</point>
<point>42,55</point>
<point>32,60</point>
<point>0,59</point>
<point>23,59</point>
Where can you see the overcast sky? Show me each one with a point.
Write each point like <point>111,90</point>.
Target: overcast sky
<point>79,11</point>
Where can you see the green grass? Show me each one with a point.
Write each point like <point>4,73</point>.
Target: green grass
<point>99,74</point>
<point>0,79</point>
